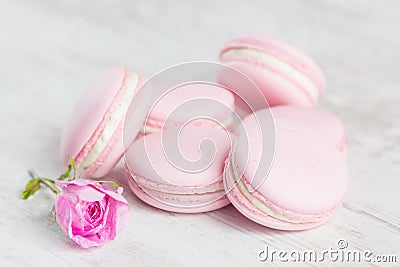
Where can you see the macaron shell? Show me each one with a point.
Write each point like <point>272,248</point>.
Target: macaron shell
<point>308,174</point>
<point>195,159</point>
<point>193,208</point>
<point>322,120</point>
<point>277,89</point>
<point>89,112</point>
<point>181,103</point>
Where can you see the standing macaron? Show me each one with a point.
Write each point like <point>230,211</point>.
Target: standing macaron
<point>301,188</point>
<point>284,74</point>
<point>93,134</point>
<point>206,104</point>
<point>180,169</point>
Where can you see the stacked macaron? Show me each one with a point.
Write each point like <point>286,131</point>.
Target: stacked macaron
<point>282,167</point>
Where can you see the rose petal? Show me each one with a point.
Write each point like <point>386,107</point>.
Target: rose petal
<point>89,194</point>
<point>114,194</point>
<point>88,241</point>
<point>78,182</point>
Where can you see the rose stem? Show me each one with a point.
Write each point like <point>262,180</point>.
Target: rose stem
<point>47,182</point>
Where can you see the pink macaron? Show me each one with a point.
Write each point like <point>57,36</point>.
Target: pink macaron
<point>322,120</point>
<point>180,169</point>
<point>93,134</point>
<point>196,103</point>
<point>284,74</point>
<point>301,188</point>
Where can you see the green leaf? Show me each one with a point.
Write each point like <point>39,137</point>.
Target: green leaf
<point>65,175</point>
<point>30,188</point>
<point>114,184</point>
<point>25,195</point>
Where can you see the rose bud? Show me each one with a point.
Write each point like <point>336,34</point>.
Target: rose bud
<point>90,212</point>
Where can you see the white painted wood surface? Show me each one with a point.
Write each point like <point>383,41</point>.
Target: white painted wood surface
<point>51,50</point>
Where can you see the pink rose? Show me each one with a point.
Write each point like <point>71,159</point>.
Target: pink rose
<point>89,212</point>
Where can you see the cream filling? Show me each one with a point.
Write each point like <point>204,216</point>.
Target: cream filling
<point>112,123</point>
<point>256,202</point>
<point>276,64</point>
<point>150,129</point>
<point>180,190</point>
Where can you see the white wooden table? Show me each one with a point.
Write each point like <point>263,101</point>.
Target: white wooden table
<point>51,50</point>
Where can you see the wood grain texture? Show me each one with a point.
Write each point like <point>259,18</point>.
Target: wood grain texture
<point>51,50</point>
